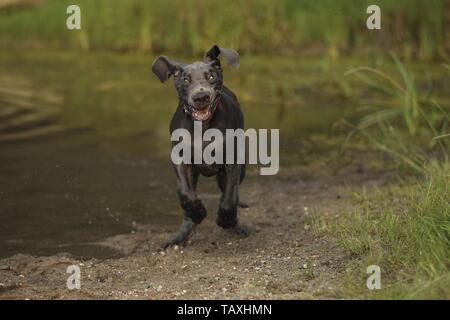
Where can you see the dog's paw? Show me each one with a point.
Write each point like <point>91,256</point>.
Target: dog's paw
<point>240,230</point>
<point>177,241</point>
<point>186,231</point>
<point>168,244</point>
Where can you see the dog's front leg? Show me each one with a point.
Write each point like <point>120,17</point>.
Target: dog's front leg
<point>194,210</point>
<point>227,214</point>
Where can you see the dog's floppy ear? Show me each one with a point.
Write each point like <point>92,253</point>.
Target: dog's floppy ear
<point>163,67</point>
<point>231,56</point>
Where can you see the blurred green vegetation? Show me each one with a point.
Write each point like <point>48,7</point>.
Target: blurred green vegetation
<point>411,130</point>
<point>412,28</point>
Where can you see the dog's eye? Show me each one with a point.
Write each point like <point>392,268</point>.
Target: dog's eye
<point>186,80</point>
<point>211,77</point>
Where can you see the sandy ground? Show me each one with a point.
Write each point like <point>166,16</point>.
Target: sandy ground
<point>282,258</point>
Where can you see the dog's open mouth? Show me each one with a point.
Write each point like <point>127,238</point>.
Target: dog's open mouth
<point>201,115</point>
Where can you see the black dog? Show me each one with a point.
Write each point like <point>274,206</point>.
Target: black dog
<point>203,97</point>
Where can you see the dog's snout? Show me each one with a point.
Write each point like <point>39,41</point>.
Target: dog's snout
<point>201,97</point>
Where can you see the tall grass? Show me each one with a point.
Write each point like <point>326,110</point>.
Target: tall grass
<point>409,238</point>
<point>412,27</point>
<point>405,230</point>
<point>412,130</point>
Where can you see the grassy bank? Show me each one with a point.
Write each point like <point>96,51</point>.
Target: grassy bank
<point>403,229</point>
<point>414,28</point>
<point>406,231</point>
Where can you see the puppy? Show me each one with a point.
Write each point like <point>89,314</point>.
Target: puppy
<point>203,98</point>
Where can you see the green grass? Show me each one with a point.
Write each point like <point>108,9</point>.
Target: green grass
<point>405,230</point>
<point>411,129</point>
<point>414,28</point>
<point>407,233</point>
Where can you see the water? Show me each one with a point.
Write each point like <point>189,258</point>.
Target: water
<point>84,144</point>
<point>74,170</point>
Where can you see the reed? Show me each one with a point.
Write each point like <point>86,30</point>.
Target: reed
<point>413,129</point>
<point>414,28</point>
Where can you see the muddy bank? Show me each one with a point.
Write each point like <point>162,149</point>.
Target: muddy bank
<point>282,258</point>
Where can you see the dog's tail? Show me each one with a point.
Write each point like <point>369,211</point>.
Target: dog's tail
<point>243,205</point>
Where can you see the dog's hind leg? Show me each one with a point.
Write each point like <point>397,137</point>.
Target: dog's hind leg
<point>242,204</point>
<point>220,177</point>
<point>194,210</point>
<point>228,180</point>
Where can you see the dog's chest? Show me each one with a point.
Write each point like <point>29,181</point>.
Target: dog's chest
<point>207,170</point>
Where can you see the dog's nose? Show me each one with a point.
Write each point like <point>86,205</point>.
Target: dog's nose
<point>201,97</point>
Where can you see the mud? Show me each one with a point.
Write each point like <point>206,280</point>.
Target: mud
<point>282,259</point>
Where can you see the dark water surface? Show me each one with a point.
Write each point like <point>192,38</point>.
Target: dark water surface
<point>84,144</point>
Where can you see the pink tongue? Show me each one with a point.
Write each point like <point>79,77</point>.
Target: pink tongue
<point>201,115</point>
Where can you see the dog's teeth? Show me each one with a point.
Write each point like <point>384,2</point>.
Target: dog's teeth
<point>201,114</point>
